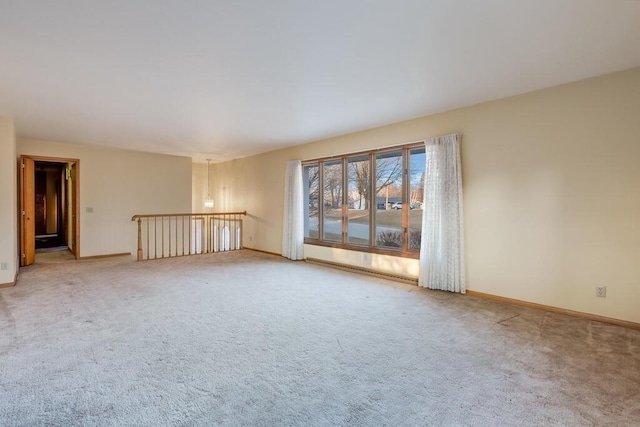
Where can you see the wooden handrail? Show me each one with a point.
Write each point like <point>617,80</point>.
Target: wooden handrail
<point>135,217</point>
<point>183,234</point>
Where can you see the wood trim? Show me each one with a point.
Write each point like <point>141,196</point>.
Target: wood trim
<point>261,251</point>
<point>106,255</point>
<point>364,270</point>
<point>51,159</point>
<point>135,217</point>
<point>10,284</point>
<point>558,310</point>
<point>76,208</point>
<point>20,209</point>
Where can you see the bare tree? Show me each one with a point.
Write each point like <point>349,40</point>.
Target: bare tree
<point>333,185</point>
<point>313,175</point>
<point>387,172</point>
<point>360,175</point>
<point>417,193</point>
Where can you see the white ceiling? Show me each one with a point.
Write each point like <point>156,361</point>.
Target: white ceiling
<point>226,79</point>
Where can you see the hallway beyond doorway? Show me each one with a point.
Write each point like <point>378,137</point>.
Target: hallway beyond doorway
<point>54,257</point>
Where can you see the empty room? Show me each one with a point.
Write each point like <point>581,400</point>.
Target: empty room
<point>297,213</point>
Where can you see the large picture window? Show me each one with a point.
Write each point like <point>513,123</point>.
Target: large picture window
<point>370,201</point>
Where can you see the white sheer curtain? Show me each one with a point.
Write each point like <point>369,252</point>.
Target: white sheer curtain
<point>293,223</point>
<point>442,248</point>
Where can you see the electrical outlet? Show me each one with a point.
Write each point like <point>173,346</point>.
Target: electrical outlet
<point>4,265</point>
<point>601,291</point>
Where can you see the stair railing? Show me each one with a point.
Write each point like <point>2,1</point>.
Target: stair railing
<point>174,235</point>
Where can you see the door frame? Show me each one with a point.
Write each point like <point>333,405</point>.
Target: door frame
<point>75,223</point>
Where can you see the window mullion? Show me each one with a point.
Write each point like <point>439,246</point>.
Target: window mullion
<point>345,207</point>
<point>405,200</point>
<point>321,201</point>
<point>373,205</point>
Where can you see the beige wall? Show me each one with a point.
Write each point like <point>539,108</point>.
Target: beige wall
<point>551,199</point>
<point>116,184</point>
<point>8,200</point>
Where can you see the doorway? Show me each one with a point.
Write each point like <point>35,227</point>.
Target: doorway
<point>49,201</point>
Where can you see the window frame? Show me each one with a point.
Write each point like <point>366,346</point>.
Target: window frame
<point>371,247</point>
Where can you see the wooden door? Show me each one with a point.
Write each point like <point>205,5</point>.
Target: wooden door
<point>27,211</point>
<point>66,206</point>
<point>73,210</point>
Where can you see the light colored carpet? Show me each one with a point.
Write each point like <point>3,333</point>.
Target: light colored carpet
<point>243,338</point>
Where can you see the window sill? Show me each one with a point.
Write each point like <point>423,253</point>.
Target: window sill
<point>380,251</point>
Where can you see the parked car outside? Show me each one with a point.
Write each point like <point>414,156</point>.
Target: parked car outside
<point>398,206</point>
